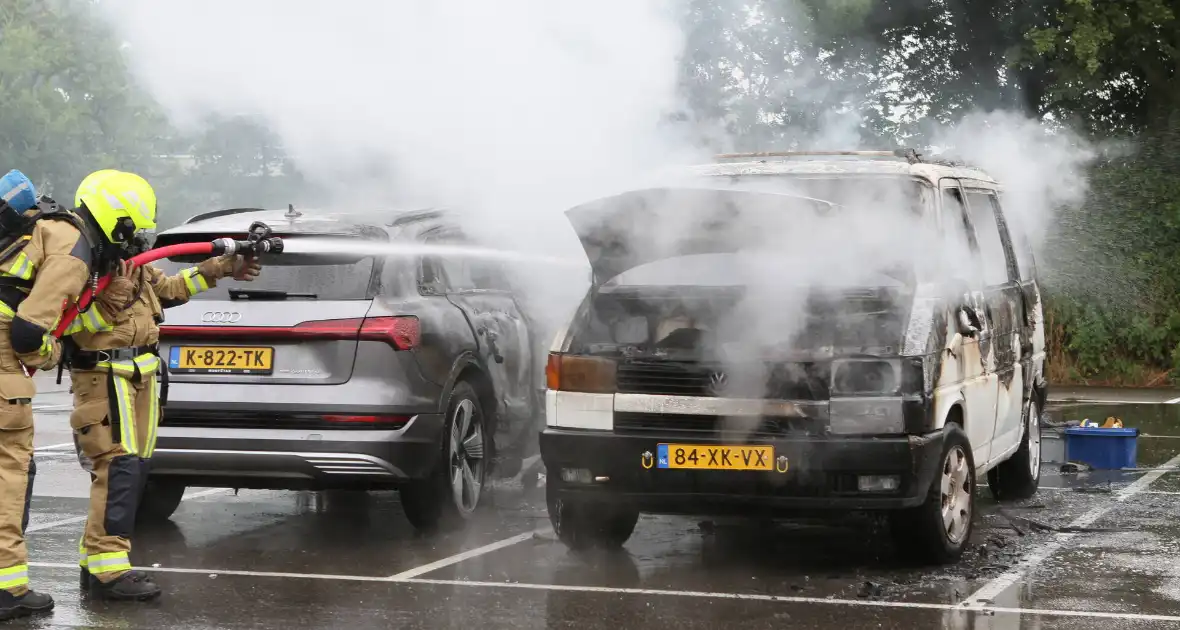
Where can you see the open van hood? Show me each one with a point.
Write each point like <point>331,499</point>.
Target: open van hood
<point>637,227</point>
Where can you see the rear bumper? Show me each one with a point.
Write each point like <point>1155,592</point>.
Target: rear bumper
<point>298,458</point>
<point>822,474</point>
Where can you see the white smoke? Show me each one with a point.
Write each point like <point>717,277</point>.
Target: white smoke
<point>513,111</point>
<point>508,112</point>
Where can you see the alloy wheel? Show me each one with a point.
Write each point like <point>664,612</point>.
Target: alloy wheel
<point>467,456</point>
<point>1034,439</point>
<point>956,494</point>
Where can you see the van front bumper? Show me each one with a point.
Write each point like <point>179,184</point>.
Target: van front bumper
<point>821,473</point>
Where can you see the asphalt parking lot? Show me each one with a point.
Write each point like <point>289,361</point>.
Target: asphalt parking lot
<point>348,560</point>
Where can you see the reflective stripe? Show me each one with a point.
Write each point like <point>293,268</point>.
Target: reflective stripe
<point>153,418</point>
<point>46,348</point>
<point>93,321</point>
<point>74,327</point>
<point>108,562</point>
<point>7,310</point>
<point>194,281</point>
<point>21,267</point>
<point>126,403</point>
<point>146,363</point>
<point>82,559</point>
<point>14,576</point>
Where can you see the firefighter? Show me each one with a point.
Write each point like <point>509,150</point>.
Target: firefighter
<point>115,373</point>
<point>45,264</point>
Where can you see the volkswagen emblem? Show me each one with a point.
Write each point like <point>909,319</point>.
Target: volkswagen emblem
<point>221,317</point>
<point>717,381</point>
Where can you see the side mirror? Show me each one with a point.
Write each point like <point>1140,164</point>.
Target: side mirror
<point>968,321</point>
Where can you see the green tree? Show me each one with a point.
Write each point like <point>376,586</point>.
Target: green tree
<point>68,105</point>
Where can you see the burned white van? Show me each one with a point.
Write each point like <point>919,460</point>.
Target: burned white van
<point>884,350</point>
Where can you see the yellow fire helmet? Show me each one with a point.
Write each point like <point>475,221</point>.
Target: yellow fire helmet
<point>121,203</point>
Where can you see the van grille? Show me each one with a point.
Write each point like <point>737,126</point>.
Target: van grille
<point>783,381</point>
<point>692,426</point>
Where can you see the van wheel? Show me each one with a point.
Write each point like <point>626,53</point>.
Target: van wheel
<point>1019,476</point>
<point>938,530</point>
<point>586,524</point>
<point>449,497</point>
<point>159,501</point>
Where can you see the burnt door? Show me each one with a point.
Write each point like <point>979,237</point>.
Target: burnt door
<point>966,373</point>
<point>1005,309</point>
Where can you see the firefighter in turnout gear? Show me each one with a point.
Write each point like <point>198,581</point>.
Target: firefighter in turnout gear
<point>116,375</point>
<point>46,257</point>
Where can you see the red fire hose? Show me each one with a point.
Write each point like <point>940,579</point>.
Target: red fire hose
<point>152,255</point>
<point>259,241</point>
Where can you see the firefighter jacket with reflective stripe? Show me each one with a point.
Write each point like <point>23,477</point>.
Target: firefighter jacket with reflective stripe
<point>51,270</point>
<point>126,314</point>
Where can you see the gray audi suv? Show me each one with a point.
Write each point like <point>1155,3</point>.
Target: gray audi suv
<point>352,362</point>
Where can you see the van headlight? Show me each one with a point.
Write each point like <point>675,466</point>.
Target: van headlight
<point>861,377</point>
<point>877,377</point>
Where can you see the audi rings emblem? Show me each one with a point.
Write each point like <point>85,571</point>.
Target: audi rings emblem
<point>221,317</point>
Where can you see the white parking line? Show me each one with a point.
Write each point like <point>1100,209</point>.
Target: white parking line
<point>80,519</point>
<point>1083,490</point>
<point>756,597</point>
<point>988,592</point>
<point>467,555</point>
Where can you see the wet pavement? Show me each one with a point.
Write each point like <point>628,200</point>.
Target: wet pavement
<point>350,560</point>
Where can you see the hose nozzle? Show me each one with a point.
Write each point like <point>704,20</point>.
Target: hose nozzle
<point>258,241</point>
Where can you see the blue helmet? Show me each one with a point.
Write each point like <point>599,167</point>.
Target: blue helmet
<point>17,190</point>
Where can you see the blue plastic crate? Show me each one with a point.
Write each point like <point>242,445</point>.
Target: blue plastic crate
<point>1106,449</point>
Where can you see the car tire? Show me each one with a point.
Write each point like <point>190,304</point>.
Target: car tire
<point>938,531</point>
<point>450,495</point>
<point>159,501</point>
<point>1019,476</point>
<point>589,524</point>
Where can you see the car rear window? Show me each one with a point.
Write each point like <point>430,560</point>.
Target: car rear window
<point>335,277</point>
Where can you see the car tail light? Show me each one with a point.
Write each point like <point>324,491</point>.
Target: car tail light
<point>371,420</point>
<point>403,333</point>
<point>572,373</point>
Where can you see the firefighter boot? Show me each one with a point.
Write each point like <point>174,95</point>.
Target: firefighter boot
<point>84,579</point>
<point>32,602</point>
<point>131,586</point>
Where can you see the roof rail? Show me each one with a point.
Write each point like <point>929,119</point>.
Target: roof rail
<point>910,155</point>
<point>220,213</point>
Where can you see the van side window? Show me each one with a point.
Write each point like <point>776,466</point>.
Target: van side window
<point>1022,246</point>
<point>954,218</point>
<point>991,238</point>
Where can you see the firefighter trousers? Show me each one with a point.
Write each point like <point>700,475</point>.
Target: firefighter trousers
<point>17,468</point>
<point>116,414</point>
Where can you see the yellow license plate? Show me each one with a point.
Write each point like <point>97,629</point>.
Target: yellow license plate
<point>706,457</point>
<point>220,360</point>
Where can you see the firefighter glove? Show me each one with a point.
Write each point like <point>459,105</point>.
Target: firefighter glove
<point>246,270</point>
<point>46,357</point>
<point>121,287</point>
<point>217,267</point>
